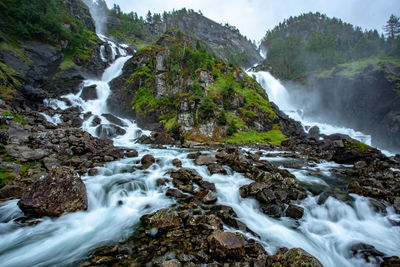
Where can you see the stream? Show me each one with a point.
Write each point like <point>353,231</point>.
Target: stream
<point>118,198</point>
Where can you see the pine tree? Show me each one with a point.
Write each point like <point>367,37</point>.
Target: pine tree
<point>392,27</point>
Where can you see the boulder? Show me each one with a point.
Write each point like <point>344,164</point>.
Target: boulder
<point>205,160</point>
<point>161,220</point>
<point>162,138</point>
<point>294,211</point>
<point>24,153</point>
<point>147,161</point>
<point>393,261</point>
<point>207,197</point>
<point>109,130</point>
<point>171,263</point>
<point>60,192</point>
<point>227,246</point>
<point>214,168</point>
<point>365,251</point>
<point>89,93</point>
<point>112,119</point>
<point>299,257</point>
<point>177,163</point>
<point>185,175</point>
<point>131,153</point>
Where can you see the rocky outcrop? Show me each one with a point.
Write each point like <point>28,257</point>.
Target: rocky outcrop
<point>60,192</point>
<point>370,95</point>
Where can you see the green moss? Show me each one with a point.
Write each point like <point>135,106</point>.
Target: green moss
<point>144,100</point>
<point>16,50</point>
<point>3,126</point>
<point>19,119</point>
<point>233,119</point>
<point>222,118</point>
<point>5,176</point>
<point>8,72</point>
<point>357,145</point>
<point>67,63</point>
<point>169,120</point>
<point>273,136</point>
<point>28,165</point>
<point>247,113</point>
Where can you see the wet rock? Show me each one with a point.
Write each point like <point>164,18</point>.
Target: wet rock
<point>206,185</point>
<point>299,257</point>
<point>273,210</point>
<point>109,131</point>
<point>314,132</point>
<point>185,175</point>
<point>393,261</point>
<point>162,220</point>
<point>162,138</point>
<point>89,93</point>
<point>226,245</point>
<point>214,168</point>
<point>93,172</point>
<point>162,181</point>
<point>220,154</point>
<point>96,121</point>
<point>207,197</point>
<point>24,153</point>
<point>112,119</point>
<point>12,191</point>
<point>177,163</point>
<point>60,192</point>
<point>147,161</point>
<point>171,263</point>
<point>294,211</point>
<point>193,155</point>
<point>131,154</point>
<point>172,192</point>
<point>365,251</point>
<point>205,160</point>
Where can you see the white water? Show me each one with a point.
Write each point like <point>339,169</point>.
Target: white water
<point>326,231</point>
<point>278,94</point>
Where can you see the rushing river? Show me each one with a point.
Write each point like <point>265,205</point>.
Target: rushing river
<point>118,198</point>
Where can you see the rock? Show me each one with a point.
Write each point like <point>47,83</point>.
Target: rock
<point>112,119</point>
<point>24,153</point>
<point>109,130</point>
<point>177,163</point>
<point>12,191</point>
<point>214,168</point>
<point>147,161</point>
<point>162,181</point>
<point>206,185</point>
<point>51,163</point>
<point>171,263</point>
<point>365,251</point>
<point>172,192</point>
<point>299,257</point>
<point>227,246</point>
<point>89,93</point>
<point>93,172</point>
<point>314,132</point>
<point>360,165</point>
<point>161,220</point>
<point>132,153</point>
<point>96,121</point>
<point>185,175</point>
<point>220,155</point>
<point>294,211</point>
<point>3,136</point>
<point>393,261</point>
<point>60,192</point>
<point>205,160</point>
<point>273,210</point>
<point>207,197</point>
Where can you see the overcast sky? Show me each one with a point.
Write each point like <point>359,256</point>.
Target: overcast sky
<point>254,17</point>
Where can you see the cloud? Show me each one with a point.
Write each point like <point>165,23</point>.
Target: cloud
<point>254,17</point>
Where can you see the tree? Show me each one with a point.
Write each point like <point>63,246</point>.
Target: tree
<point>392,27</point>
<point>149,17</point>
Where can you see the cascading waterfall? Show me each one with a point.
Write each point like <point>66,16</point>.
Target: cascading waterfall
<point>118,197</point>
<point>278,94</point>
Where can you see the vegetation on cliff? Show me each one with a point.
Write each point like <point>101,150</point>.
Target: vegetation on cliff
<point>179,84</point>
<point>313,42</point>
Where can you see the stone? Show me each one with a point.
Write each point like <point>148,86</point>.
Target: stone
<point>51,163</point>
<point>365,251</point>
<point>96,121</point>
<point>300,257</point>
<point>93,172</point>
<point>109,131</point>
<point>206,185</point>
<point>177,163</point>
<point>294,211</point>
<point>172,192</point>
<point>393,261</point>
<point>24,153</point>
<point>171,263</point>
<point>185,175</point>
<point>227,246</point>
<point>214,168</point>
<point>273,210</point>
<point>147,161</point>
<point>161,138</point>
<point>112,119</point>
<point>89,93</point>
<point>314,132</point>
<point>60,192</point>
<point>162,220</point>
<point>205,160</point>
<point>131,154</point>
<point>207,197</point>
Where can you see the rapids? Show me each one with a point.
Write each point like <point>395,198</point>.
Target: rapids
<point>118,198</point>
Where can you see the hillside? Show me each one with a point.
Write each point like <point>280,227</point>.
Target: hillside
<point>225,40</point>
<point>312,42</point>
<point>177,86</point>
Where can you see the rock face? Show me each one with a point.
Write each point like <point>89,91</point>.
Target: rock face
<point>370,96</point>
<point>60,192</point>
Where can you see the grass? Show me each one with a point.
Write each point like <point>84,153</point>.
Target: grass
<point>273,136</point>
<point>16,50</point>
<point>5,176</point>
<point>238,122</point>
<point>67,63</point>
<point>357,145</point>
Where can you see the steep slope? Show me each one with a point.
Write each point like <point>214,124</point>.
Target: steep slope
<point>225,40</point>
<point>177,86</point>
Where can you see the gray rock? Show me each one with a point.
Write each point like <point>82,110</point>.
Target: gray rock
<point>294,212</point>
<point>205,160</point>
<point>112,119</point>
<point>60,192</point>
<point>89,93</point>
<point>24,153</point>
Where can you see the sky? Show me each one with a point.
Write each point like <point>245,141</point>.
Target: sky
<point>254,17</point>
